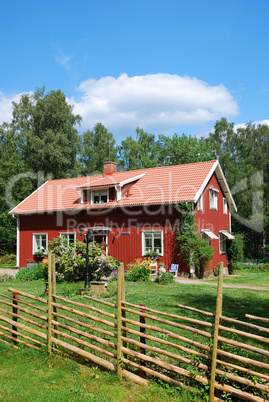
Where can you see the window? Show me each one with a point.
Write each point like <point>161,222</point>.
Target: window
<point>70,238</point>
<point>213,197</point>
<point>99,196</point>
<point>152,241</point>
<point>40,242</point>
<point>225,208</point>
<point>200,203</point>
<point>222,243</point>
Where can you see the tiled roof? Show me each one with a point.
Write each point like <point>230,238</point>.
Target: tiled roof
<point>169,184</point>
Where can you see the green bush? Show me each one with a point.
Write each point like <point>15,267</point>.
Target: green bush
<point>8,259</point>
<point>165,278</point>
<point>138,274</point>
<point>71,261</point>
<point>31,274</point>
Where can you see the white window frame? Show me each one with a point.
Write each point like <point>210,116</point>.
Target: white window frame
<point>99,190</point>
<point>222,243</point>
<point>66,235</point>
<point>106,239</point>
<point>42,248</point>
<point>153,232</point>
<point>200,203</point>
<point>213,198</point>
<point>85,195</point>
<point>225,206</point>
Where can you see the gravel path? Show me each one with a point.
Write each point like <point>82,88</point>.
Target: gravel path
<point>8,271</point>
<point>204,282</point>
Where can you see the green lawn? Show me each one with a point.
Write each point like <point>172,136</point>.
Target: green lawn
<point>244,278</point>
<point>56,378</point>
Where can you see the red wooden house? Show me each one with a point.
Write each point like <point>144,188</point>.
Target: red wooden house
<point>131,212</point>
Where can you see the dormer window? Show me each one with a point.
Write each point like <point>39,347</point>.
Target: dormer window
<point>85,196</point>
<point>99,196</point>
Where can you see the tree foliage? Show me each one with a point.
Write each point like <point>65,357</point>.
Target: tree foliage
<point>45,128</point>
<point>244,156</point>
<point>98,146</point>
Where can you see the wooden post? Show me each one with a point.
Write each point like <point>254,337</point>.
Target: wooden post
<point>216,332</point>
<point>119,299</point>
<point>15,311</point>
<point>49,300</point>
<point>123,313</point>
<point>53,273</point>
<point>142,339</point>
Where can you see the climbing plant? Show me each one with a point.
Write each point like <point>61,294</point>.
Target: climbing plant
<point>191,247</point>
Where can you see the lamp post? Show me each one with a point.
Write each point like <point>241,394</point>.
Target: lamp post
<point>88,239</point>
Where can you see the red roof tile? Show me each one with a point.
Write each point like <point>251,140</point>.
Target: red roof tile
<point>169,184</point>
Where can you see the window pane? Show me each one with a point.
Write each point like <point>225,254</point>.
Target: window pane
<point>148,241</point>
<point>96,197</point>
<point>103,196</point>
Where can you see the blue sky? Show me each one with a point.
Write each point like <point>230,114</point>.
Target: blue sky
<point>164,66</point>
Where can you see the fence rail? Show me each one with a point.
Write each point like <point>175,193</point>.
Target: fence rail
<point>137,341</point>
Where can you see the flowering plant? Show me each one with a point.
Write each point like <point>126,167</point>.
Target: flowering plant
<point>71,261</point>
<point>151,254</point>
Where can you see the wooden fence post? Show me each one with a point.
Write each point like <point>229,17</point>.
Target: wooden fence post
<point>119,311</point>
<point>142,339</point>
<point>53,273</point>
<point>216,333</point>
<point>15,311</point>
<point>49,300</point>
<point>123,313</point>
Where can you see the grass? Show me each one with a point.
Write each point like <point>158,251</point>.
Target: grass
<point>30,375</point>
<point>244,278</point>
<point>54,378</point>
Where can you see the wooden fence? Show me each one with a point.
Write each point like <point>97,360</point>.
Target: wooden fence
<point>221,354</point>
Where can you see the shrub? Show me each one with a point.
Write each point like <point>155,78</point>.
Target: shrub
<point>138,274</point>
<point>139,270</point>
<point>235,251</point>
<point>8,259</point>
<point>31,274</point>
<point>192,248</point>
<point>71,261</point>
<point>164,278</point>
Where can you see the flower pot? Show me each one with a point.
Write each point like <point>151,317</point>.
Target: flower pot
<point>98,287</point>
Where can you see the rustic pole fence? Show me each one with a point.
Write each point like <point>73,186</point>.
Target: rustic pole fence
<point>15,312</point>
<point>119,318</point>
<point>50,263</point>
<point>142,339</point>
<point>216,333</point>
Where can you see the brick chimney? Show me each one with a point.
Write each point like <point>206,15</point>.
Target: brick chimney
<point>109,168</point>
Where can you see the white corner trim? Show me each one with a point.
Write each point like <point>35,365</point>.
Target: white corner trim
<point>122,183</point>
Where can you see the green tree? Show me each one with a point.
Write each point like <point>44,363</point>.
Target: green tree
<point>98,146</point>
<point>47,138</point>
<point>11,165</point>
<point>243,155</point>
<point>177,150</point>
<point>140,153</point>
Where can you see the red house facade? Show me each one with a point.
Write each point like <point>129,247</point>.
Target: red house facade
<point>130,212</point>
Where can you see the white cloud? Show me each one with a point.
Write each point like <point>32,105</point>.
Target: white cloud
<point>256,123</point>
<point>157,101</point>
<point>6,106</point>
